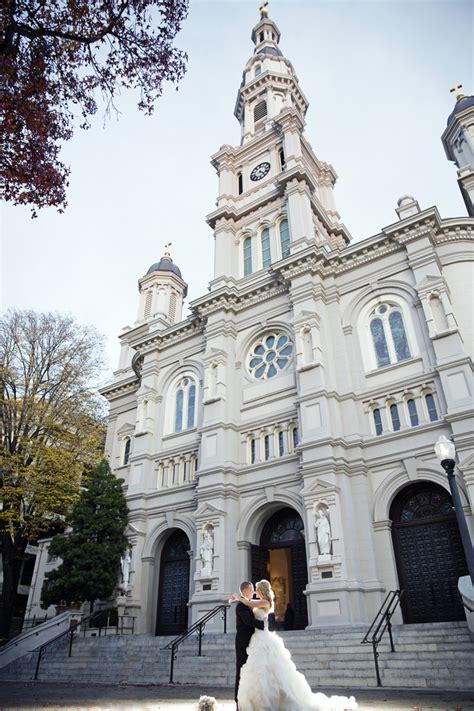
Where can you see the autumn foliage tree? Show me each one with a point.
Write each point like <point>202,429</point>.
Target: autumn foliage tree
<point>56,57</point>
<point>51,427</point>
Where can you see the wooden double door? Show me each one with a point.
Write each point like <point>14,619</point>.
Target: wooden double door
<point>173,594</point>
<point>429,554</point>
<point>282,539</point>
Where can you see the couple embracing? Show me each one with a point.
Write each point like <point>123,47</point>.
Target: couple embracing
<point>267,679</point>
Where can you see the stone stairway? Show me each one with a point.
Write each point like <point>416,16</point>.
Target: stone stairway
<point>439,655</point>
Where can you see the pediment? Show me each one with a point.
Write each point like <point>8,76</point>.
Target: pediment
<point>126,428</point>
<point>320,487</point>
<point>207,509</point>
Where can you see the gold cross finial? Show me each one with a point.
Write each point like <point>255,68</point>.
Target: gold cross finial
<point>263,10</point>
<point>454,88</point>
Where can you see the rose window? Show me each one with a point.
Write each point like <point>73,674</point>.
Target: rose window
<point>269,355</point>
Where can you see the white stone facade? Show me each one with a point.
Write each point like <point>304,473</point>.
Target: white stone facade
<point>337,428</point>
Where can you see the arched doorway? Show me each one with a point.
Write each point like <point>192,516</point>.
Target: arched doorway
<point>281,558</point>
<point>173,594</point>
<point>428,553</point>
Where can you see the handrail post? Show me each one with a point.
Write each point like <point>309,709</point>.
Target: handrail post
<point>133,625</point>
<point>389,627</point>
<point>376,660</point>
<point>200,640</point>
<point>225,620</point>
<point>38,661</point>
<point>172,664</point>
<point>71,634</point>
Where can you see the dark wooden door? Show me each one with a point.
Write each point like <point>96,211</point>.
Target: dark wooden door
<point>429,554</point>
<point>299,570</point>
<point>259,563</point>
<point>173,596</point>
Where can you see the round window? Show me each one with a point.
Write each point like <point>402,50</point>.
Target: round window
<point>269,355</point>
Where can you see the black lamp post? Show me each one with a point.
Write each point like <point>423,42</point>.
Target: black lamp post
<point>446,451</point>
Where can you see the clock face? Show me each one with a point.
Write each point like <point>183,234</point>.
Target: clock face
<point>260,171</point>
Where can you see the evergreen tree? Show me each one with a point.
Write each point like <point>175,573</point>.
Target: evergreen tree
<point>91,552</point>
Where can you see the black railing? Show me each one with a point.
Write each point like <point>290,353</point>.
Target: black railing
<point>85,626</point>
<point>197,627</point>
<point>382,622</point>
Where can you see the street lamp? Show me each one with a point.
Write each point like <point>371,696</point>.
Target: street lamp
<point>446,451</point>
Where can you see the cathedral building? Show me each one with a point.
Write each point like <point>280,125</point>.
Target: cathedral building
<point>285,428</point>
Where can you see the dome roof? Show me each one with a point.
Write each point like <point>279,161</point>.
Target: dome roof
<point>165,265</point>
<point>272,51</point>
<point>463,103</point>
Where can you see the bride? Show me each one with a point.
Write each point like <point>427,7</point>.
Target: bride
<point>269,680</point>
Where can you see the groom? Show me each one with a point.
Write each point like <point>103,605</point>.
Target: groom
<point>246,624</point>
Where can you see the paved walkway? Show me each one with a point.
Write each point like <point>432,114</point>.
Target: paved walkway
<point>29,696</point>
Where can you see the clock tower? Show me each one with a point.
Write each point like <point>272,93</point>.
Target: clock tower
<point>275,195</point>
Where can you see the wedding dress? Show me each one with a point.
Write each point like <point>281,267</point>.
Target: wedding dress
<point>269,680</point>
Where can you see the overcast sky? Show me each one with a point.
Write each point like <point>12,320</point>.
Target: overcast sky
<point>377,76</point>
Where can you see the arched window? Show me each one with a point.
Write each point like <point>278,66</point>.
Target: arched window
<point>294,436</point>
<point>247,256</point>
<point>281,444</point>
<point>260,111</point>
<point>252,450</point>
<point>185,405</point>
<point>258,69</point>
<point>240,183</point>
<point>266,252</point>
<point>284,238</point>
<point>388,334</point>
<point>266,444</point>
<point>377,421</point>
<point>126,450</point>
<point>282,159</point>
<point>394,417</point>
<point>261,37</point>
<point>431,407</point>
<point>411,404</point>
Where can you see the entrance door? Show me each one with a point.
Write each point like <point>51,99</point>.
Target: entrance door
<point>281,558</point>
<point>429,554</point>
<point>173,595</point>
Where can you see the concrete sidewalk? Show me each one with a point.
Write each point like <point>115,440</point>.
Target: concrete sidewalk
<point>29,696</point>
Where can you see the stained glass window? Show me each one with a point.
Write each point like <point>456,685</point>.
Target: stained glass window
<point>377,422</point>
<point>266,252</point>
<point>284,238</point>
<point>395,417</point>
<point>191,404</point>
<point>399,336</point>
<point>412,412</point>
<point>431,407</point>
<point>281,443</point>
<point>126,453</point>
<point>179,411</point>
<point>269,355</point>
<point>267,446</point>
<point>247,256</point>
<point>379,341</point>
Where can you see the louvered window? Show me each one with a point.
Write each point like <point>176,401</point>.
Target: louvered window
<point>260,111</point>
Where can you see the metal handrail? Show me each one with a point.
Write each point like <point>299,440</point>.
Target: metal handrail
<point>72,629</point>
<point>382,622</point>
<point>198,627</point>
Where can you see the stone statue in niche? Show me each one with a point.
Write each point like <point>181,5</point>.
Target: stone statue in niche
<point>125,563</point>
<point>323,531</point>
<point>207,550</point>
<point>307,343</point>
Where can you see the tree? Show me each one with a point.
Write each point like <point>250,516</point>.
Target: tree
<point>91,553</point>
<point>51,428</point>
<point>55,58</point>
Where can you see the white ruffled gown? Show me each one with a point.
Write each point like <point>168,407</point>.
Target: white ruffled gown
<point>269,680</point>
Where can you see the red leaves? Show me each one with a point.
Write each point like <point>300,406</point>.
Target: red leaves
<point>53,57</point>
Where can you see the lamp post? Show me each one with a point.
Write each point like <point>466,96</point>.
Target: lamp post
<point>446,451</point>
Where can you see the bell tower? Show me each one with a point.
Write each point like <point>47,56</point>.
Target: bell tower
<point>275,195</point>
<point>458,142</point>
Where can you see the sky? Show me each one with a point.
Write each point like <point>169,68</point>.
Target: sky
<point>377,76</point>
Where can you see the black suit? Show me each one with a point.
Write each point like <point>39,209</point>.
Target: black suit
<point>246,624</point>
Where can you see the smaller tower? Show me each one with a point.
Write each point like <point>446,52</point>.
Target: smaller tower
<point>458,142</point>
<point>162,292</point>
